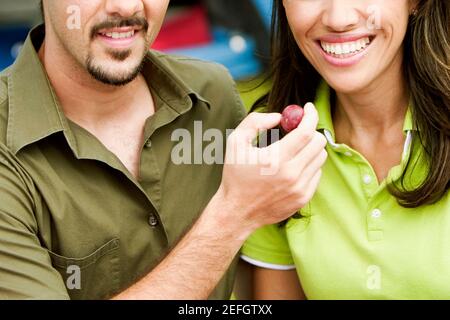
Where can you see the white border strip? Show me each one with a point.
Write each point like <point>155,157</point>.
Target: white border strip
<point>408,143</point>
<point>330,139</point>
<point>266,265</point>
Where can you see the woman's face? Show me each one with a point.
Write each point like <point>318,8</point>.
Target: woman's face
<point>351,43</point>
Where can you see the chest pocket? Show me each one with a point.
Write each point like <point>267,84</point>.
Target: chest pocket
<point>96,276</point>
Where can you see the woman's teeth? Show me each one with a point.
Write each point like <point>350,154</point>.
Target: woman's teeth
<point>340,49</point>
<point>118,35</point>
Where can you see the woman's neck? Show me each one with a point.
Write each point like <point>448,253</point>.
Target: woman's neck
<point>376,110</point>
<point>371,121</point>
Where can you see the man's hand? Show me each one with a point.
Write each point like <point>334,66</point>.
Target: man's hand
<point>263,186</point>
<point>260,186</point>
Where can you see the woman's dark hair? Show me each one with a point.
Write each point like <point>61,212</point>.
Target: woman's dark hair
<point>41,7</point>
<point>426,71</point>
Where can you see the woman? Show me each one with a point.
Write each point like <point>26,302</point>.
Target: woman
<point>378,226</point>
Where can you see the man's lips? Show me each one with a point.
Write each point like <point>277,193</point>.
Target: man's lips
<point>119,38</point>
<point>119,30</point>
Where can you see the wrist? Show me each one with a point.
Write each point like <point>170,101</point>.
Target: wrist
<point>229,217</point>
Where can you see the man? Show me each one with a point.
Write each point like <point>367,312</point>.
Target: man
<point>92,203</point>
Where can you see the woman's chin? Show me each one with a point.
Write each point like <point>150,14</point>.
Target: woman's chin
<point>346,84</point>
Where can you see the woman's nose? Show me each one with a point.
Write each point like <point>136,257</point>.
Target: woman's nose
<point>342,15</point>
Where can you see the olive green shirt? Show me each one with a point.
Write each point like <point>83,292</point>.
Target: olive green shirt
<point>74,223</point>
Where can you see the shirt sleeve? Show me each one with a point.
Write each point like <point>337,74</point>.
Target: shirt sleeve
<point>26,271</point>
<point>268,247</point>
<point>239,111</point>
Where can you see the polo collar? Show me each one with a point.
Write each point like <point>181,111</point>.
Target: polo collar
<point>323,105</point>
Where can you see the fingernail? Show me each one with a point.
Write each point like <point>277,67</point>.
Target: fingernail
<point>308,106</point>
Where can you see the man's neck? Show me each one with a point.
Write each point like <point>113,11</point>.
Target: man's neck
<point>85,100</point>
<point>116,116</point>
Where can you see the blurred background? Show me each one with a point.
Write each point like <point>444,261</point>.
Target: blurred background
<point>233,33</point>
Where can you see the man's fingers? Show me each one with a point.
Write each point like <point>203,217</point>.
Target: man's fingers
<point>297,139</point>
<point>309,189</point>
<point>255,123</point>
<point>310,152</point>
<point>300,136</point>
<point>314,166</point>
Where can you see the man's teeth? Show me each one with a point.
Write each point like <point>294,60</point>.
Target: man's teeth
<point>119,35</point>
<point>346,47</point>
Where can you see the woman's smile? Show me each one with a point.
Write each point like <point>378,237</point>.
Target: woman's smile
<point>344,50</point>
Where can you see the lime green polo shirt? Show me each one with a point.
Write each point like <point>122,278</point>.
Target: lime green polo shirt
<point>74,223</point>
<point>353,240</point>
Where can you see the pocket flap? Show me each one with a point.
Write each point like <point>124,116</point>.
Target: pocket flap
<point>64,262</point>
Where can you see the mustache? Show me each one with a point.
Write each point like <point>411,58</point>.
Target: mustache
<point>120,23</point>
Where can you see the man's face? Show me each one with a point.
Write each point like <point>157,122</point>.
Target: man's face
<point>112,38</point>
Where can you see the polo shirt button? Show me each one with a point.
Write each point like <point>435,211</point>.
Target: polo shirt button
<point>148,144</point>
<point>367,179</point>
<point>152,220</point>
<point>348,154</point>
<point>376,213</point>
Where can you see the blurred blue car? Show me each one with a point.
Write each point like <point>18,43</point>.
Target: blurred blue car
<point>12,39</point>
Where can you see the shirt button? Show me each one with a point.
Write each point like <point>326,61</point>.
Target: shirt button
<point>348,154</point>
<point>376,213</point>
<point>152,221</point>
<point>367,179</point>
<point>148,144</point>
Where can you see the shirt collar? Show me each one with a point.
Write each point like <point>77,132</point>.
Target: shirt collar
<point>34,113</point>
<point>323,107</point>
<point>168,84</point>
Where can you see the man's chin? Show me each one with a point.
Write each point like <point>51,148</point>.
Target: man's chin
<point>113,77</point>
<point>111,71</point>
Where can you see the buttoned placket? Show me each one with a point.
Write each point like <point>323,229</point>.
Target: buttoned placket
<point>369,183</point>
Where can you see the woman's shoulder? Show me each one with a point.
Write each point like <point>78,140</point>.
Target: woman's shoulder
<point>253,90</point>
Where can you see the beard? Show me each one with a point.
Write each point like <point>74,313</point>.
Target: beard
<point>103,74</point>
<point>99,73</point>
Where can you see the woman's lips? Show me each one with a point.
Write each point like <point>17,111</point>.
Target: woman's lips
<point>344,51</point>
